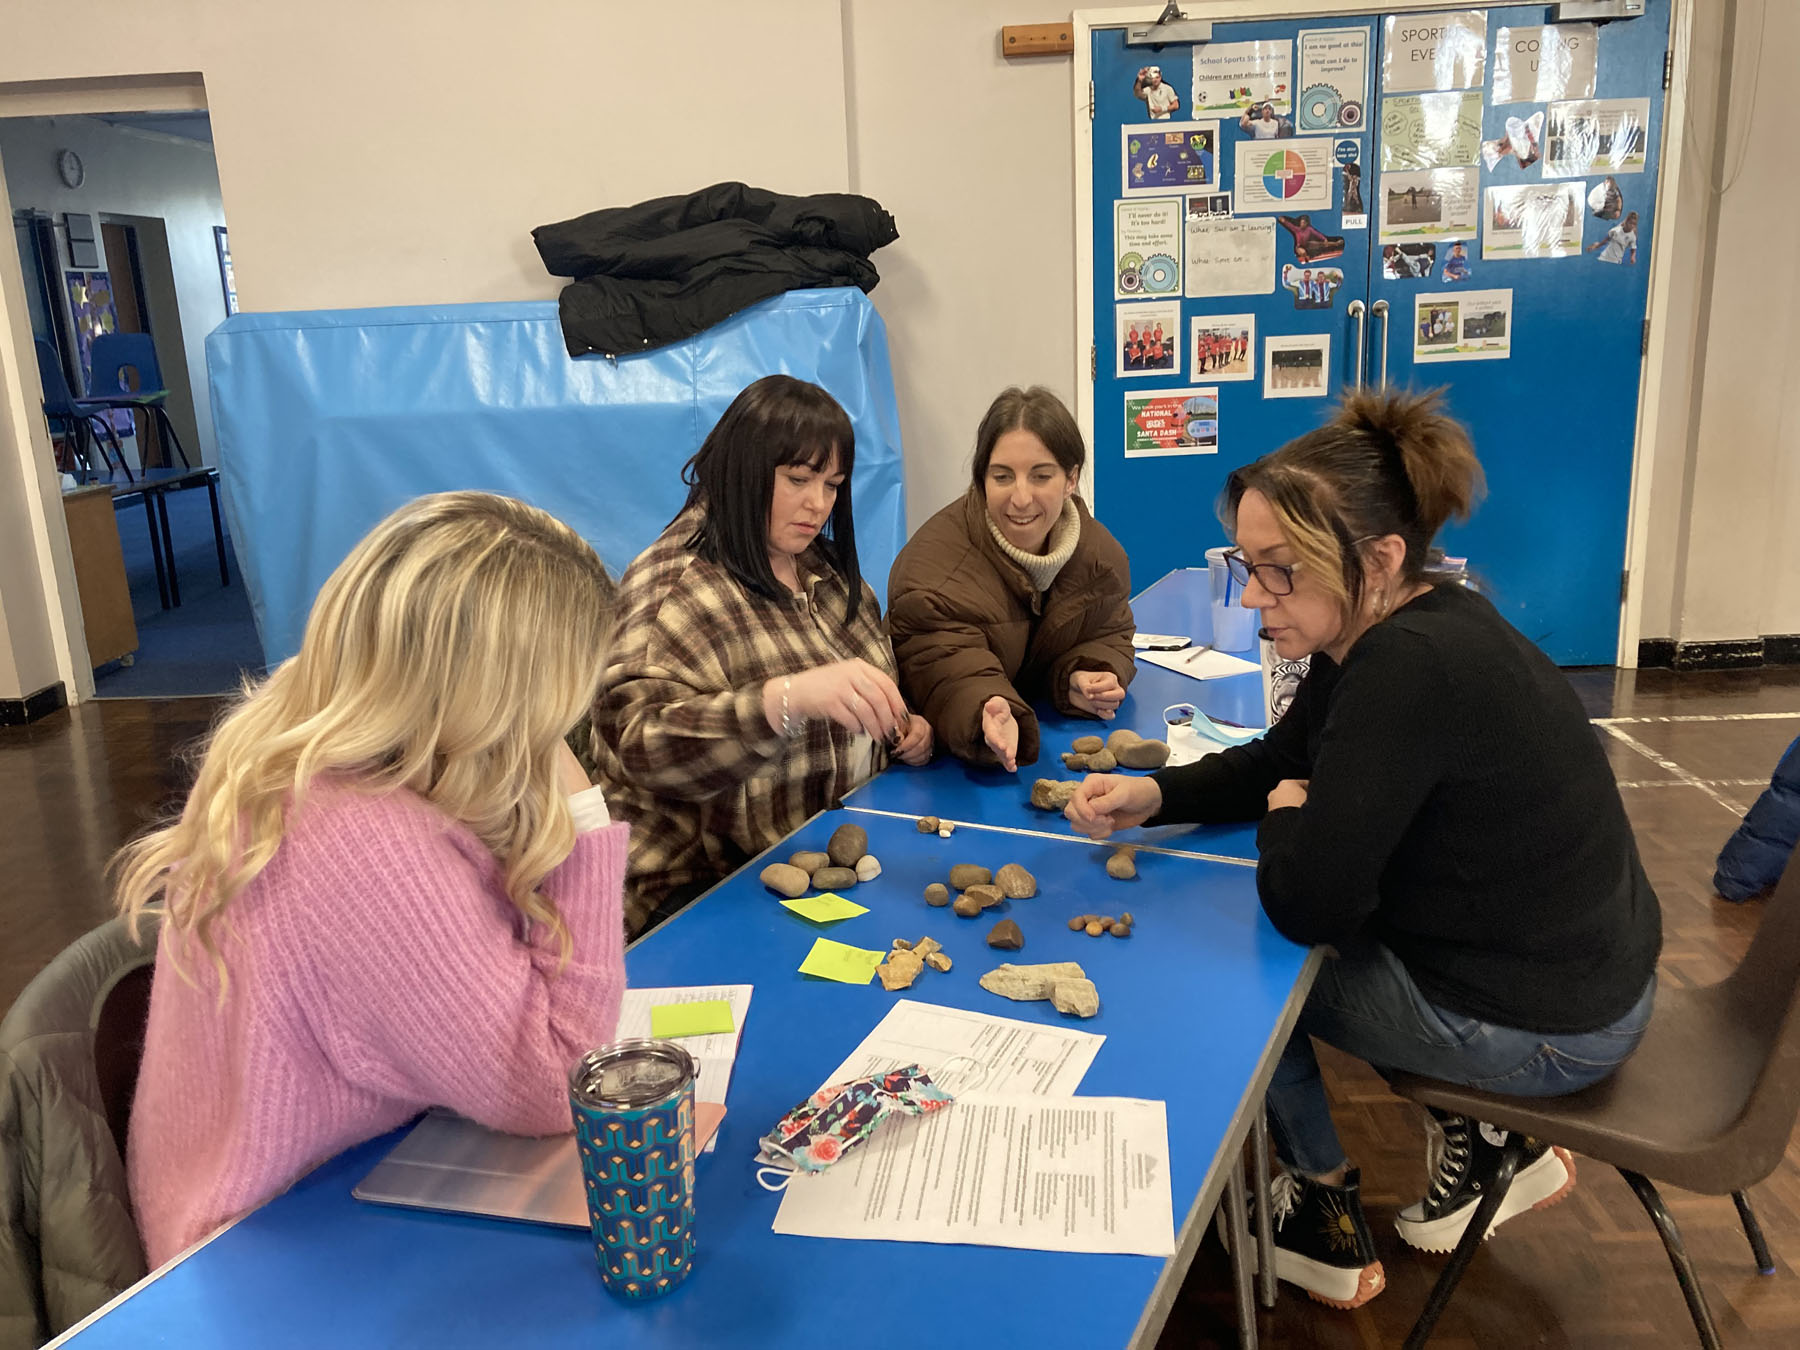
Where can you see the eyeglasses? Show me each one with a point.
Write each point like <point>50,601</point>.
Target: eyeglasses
<point>1276,578</point>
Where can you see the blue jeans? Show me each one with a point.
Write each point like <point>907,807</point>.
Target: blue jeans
<point>1365,1003</point>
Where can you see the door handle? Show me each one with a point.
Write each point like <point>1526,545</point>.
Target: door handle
<point>1380,309</point>
<point>1357,312</point>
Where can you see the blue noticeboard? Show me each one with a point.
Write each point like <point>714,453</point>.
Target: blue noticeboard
<point>1551,406</point>
<point>329,420</point>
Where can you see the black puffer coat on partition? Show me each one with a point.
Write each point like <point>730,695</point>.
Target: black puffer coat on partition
<point>664,270</point>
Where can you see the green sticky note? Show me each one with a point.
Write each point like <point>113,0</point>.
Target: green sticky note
<point>839,961</point>
<point>691,1019</point>
<point>826,908</point>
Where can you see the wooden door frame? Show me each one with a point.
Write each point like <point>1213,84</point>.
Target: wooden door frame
<point>1662,256</point>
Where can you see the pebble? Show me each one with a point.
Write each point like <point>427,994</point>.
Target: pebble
<point>1121,738</point>
<point>1086,745</point>
<point>965,907</point>
<point>937,895</point>
<point>989,896</point>
<point>965,875</point>
<point>944,829</point>
<point>1050,794</point>
<point>1102,761</point>
<point>868,867</point>
<point>938,961</point>
<point>1016,882</point>
<point>1144,754</point>
<point>1122,866</point>
<point>809,862</point>
<point>1079,922</point>
<point>1126,919</point>
<point>1094,928</point>
<point>834,878</point>
<point>847,844</point>
<point>1120,930</point>
<point>927,824</point>
<point>786,879</point>
<point>1006,936</point>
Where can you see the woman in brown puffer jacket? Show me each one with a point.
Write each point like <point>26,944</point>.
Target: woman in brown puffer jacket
<point>1013,593</point>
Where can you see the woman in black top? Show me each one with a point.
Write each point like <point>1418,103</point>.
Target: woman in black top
<point>1436,807</point>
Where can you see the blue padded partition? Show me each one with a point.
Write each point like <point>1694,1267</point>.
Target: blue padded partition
<point>329,420</point>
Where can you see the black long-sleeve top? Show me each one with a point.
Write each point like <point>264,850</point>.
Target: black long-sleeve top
<point>1459,810</point>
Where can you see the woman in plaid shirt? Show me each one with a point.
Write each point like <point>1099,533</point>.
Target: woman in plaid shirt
<point>751,681</point>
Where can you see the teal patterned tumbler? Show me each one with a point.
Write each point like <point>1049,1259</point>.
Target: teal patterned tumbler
<point>633,1103</point>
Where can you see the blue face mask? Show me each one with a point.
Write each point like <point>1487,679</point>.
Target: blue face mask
<point>1194,735</point>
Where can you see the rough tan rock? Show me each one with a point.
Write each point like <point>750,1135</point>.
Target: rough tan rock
<point>868,867</point>
<point>834,878</point>
<point>786,879</point>
<point>900,970</point>
<point>847,844</point>
<point>904,945</point>
<point>1006,936</point>
<point>1144,755</point>
<point>1050,794</point>
<point>1077,997</point>
<point>965,875</point>
<point>925,946</point>
<point>809,862</point>
<point>989,896</point>
<point>938,961</point>
<point>1026,983</point>
<point>937,895</point>
<point>1086,745</point>
<point>965,906</point>
<point>1122,866</point>
<point>1016,882</point>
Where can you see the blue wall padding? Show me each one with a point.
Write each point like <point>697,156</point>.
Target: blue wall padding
<point>1757,853</point>
<point>328,420</point>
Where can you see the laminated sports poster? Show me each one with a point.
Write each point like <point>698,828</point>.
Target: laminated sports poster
<point>1534,220</point>
<point>1430,131</point>
<point>1283,175</point>
<point>1462,326</point>
<point>1596,135</point>
<point>1164,158</point>
<point>1231,77</point>
<point>1146,247</point>
<point>1172,422</point>
<point>1535,65</point>
<point>1334,79</point>
<point>1436,204</point>
<point>1434,51</point>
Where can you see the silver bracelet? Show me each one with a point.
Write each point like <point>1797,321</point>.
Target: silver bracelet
<point>787,726</point>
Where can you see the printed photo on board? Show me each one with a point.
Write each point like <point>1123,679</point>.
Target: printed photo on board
<point>1620,244</point>
<point>1314,287</point>
<point>1456,264</point>
<point>1161,99</point>
<point>1223,347</point>
<point>1208,205</point>
<point>1472,326</point>
<point>1605,200</point>
<point>1309,244</point>
<point>1163,160</point>
<point>1434,204</point>
<point>1353,202</point>
<point>1523,140</point>
<point>1296,367</point>
<point>1409,262</point>
<point>1149,339</point>
<point>1263,123</point>
<point>1437,325</point>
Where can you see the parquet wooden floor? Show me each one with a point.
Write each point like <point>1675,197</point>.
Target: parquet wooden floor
<point>1588,1274</point>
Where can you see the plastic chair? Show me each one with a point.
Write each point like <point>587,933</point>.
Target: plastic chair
<point>70,1049</point>
<point>115,354</point>
<point>1707,1103</point>
<point>76,422</point>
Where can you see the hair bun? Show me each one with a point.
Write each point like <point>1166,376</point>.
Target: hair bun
<point>1431,449</point>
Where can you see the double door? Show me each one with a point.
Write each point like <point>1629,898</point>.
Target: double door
<point>1462,199</point>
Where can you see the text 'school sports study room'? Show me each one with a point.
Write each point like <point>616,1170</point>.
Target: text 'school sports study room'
<point>677,676</point>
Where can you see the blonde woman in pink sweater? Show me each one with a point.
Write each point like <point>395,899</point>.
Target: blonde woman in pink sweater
<point>391,887</point>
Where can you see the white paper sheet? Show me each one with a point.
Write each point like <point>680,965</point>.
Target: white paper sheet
<point>1079,1174</point>
<point>713,1055</point>
<point>1014,1056</point>
<point>1201,663</point>
<point>1229,256</point>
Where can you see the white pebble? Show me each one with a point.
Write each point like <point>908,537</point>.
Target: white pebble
<point>944,830</point>
<point>868,867</point>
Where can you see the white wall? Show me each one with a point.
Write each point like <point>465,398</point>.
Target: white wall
<point>135,173</point>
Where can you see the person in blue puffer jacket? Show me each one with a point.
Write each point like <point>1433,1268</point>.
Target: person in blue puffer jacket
<point>1757,852</point>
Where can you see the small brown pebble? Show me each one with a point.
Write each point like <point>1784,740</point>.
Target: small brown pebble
<point>1120,930</point>
<point>903,944</point>
<point>809,862</point>
<point>938,961</point>
<point>1079,922</point>
<point>988,896</point>
<point>1102,761</point>
<point>1120,867</point>
<point>965,875</point>
<point>834,878</point>
<point>966,907</point>
<point>1016,882</point>
<point>927,824</point>
<point>786,879</point>
<point>1071,761</point>
<point>1086,745</point>
<point>1126,919</point>
<point>937,895</point>
<point>1006,936</point>
<point>1095,928</point>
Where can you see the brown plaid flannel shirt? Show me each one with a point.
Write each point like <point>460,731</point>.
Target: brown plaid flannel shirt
<point>683,749</point>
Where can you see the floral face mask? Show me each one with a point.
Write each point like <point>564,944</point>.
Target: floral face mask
<point>833,1120</point>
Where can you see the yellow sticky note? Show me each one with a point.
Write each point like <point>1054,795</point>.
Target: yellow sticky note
<point>826,908</point>
<point>839,961</point>
<point>670,1020</point>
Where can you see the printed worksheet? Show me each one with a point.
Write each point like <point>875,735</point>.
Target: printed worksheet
<point>974,1051</point>
<point>1075,1174</point>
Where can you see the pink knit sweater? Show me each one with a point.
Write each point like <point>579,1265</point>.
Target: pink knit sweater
<point>376,968</point>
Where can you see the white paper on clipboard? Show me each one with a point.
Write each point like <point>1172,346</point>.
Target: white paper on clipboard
<point>1201,663</point>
